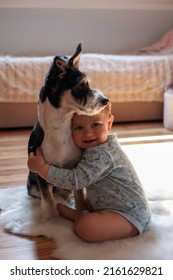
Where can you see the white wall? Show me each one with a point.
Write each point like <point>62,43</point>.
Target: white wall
<point>89,4</point>
<point>51,27</point>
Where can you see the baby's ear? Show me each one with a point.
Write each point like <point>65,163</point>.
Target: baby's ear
<point>110,122</point>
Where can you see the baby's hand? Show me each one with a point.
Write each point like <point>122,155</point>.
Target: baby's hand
<point>36,162</point>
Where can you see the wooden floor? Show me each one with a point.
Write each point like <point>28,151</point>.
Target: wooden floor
<point>13,173</point>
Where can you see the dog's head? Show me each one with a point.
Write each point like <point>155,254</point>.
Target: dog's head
<point>67,87</point>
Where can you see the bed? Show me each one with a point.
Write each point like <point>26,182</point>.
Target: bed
<point>134,83</point>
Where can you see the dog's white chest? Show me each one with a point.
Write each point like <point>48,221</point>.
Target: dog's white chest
<point>60,151</point>
<point>57,147</point>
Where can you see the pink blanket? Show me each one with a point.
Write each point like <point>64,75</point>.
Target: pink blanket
<point>166,42</point>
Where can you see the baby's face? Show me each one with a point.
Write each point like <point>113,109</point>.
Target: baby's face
<point>90,131</point>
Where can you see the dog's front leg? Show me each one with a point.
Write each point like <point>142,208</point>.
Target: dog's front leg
<point>48,206</point>
<point>47,200</point>
<point>80,199</point>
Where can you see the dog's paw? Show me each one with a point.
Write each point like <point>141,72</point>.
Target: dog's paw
<point>48,212</point>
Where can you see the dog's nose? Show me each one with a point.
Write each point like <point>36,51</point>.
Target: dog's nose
<point>105,101</point>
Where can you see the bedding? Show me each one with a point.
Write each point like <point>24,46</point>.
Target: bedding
<point>123,78</point>
<point>22,77</point>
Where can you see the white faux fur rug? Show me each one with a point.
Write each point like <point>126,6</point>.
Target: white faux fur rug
<point>20,214</point>
<point>152,161</point>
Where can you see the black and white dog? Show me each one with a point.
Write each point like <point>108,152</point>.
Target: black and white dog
<point>66,91</point>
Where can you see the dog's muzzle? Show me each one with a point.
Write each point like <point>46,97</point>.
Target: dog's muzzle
<point>104,101</point>
<point>98,95</point>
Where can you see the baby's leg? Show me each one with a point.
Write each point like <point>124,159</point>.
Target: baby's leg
<point>104,225</point>
<point>99,226</point>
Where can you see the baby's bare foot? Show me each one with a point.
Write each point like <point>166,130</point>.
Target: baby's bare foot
<point>69,213</point>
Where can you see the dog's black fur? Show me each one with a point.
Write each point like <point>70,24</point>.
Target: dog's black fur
<point>66,90</point>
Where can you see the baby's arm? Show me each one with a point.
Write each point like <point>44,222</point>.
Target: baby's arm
<point>58,176</point>
<point>37,164</point>
<point>93,167</point>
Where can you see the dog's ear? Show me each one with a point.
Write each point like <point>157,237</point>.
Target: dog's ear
<point>61,62</point>
<point>74,60</point>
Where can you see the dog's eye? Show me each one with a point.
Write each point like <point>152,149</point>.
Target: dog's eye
<point>81,86</point>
